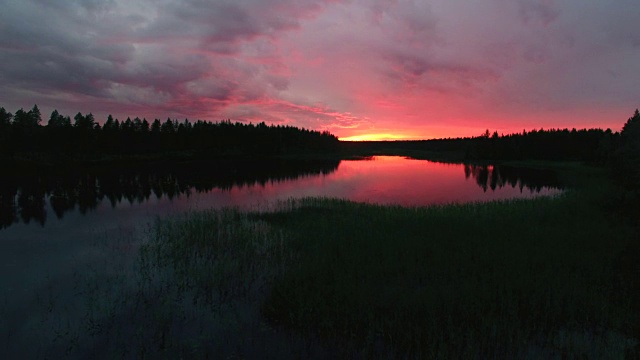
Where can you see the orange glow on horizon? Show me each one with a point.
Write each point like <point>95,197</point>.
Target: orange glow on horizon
<point>379,137</point>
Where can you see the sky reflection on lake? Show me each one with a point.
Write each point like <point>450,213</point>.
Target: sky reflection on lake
<point>108,199</point>
<point>409,182</point>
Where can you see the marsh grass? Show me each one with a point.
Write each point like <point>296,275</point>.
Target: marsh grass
<point>498,279</point>
<point>520,278</point>
<point>202,278</point>
<point>326,278</point>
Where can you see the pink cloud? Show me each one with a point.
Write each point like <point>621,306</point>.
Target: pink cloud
<point>406,68</point>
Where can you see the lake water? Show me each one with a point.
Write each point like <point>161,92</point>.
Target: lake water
<point>51,226</point>
<point>48,204</point>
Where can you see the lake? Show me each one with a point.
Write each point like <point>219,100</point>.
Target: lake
<point>57,228</point>
<point>40,204</point>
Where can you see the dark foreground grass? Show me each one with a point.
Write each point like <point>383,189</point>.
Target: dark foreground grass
<point>547,277</point>
<point>499,279</point>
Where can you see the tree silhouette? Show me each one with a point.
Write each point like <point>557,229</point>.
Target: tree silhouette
<point>56,120</point>
<point>22,133</point>
<point>53,119</point>
<point>167,127</point>
<point>145,126</point>
<point>155,127</point>
<point>21,119</point>
<point>5,118</point>
<point>34,116</point>
<point>6,145</point>
<point>86,122</point>
<point>109,125</point>
<point>629,153</point>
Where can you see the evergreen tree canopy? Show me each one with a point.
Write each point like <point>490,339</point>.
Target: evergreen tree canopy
<point>5,117</point>
<point>27,120</point>
<point>629,155</point>
<point>86,137</point>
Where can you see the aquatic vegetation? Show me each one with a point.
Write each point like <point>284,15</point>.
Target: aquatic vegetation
<point>519,278</point>
<point>499,279</point>
<point>326,278</point>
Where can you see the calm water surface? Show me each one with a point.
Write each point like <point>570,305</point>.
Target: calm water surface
<point>52,226</point>
<point>48,205</point>
<point>44,214</point>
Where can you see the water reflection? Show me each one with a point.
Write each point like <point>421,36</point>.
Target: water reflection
<point>495,177</point>
<point>408,182</point>
<point>384,180</point>
<point>25,198</point>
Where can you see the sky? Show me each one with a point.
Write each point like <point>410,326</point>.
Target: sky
<point>361,69</point>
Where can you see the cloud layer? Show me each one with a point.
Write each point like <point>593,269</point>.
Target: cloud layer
<point>406,68</point>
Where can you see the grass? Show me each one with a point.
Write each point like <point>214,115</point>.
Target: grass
<point>521,278</point>
<point>496,279</point>
<point>328,278</point>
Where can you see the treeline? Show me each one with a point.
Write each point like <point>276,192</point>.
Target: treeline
<point>617,150</point>
<point>626,160</point>
<point>588,145</point>
<point>84,137</point>
<point>596,146</point>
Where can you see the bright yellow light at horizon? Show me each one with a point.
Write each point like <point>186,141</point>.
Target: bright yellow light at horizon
<point>376,137</point>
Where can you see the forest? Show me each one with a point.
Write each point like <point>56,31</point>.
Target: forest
<point>22,135</point>
<point>619,151</point>
<point>83,137</point>
<point>587,145</point>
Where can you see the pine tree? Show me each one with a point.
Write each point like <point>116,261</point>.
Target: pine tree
<point>5,117</point>
<point>35,118</point>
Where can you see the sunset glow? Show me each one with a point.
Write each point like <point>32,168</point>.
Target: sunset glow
<point>378,137</point>
<point>362,70</point>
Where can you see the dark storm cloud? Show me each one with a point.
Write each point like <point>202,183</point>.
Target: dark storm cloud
<point>125,51</point>
<point>223,24</point>
<point>543,12</point>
